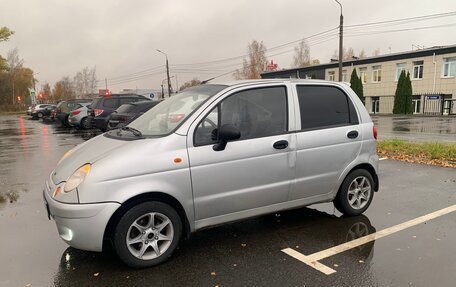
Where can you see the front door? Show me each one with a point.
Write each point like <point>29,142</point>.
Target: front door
<point>251,173</point>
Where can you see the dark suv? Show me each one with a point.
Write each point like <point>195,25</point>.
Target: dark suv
<point>103,106</point>
<point>129,112</point>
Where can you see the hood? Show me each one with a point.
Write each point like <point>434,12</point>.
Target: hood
<point>88,152</point>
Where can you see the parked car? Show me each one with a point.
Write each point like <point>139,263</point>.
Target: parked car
<point>29,110</point>
<point>129,112</point>
<point>78,117</point>
<point>41,111</point>
<point>212,154</point>
<point>103,106</point>
<point>65,107</point>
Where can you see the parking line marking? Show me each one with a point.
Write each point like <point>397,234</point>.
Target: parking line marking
<point>382,158</point>
<point>312,260</point>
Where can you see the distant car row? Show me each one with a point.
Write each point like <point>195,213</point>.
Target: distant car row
<point>104,112</point>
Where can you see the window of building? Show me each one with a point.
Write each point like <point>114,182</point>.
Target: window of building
<point>324,107</point>
<point>363,74</point>
<point>344,76</point>
<point>256,113</point>
<point>376,74</point>
<point>399,68</point>
<point>417,70</point>
<point>375,103</point>
<point>449,67</point>
<point>331,76</point>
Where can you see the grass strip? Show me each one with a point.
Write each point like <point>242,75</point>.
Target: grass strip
<point>432,153</point>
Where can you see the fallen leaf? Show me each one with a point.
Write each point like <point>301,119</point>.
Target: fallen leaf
<point>96,274</point>
<point>213,273</point>
<point>414,236</point>
<point>361,261</point>
<point>336,265</point>
<point>28,285</point>
<point>243,245</point>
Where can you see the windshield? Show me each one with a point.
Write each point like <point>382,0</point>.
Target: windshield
<point>169,114</point>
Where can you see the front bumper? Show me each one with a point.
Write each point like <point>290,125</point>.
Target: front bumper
<point>81,226</point>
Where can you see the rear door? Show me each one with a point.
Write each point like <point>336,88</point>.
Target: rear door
<point>328,140</point>
<point>252,173</point>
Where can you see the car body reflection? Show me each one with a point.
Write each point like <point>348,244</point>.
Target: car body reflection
<point>263,237</point>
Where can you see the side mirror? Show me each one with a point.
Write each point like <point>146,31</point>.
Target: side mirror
<point>226,133</point>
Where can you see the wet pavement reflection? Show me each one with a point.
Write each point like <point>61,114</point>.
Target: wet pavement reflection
<point>423,129</point>
<point>244,253</point>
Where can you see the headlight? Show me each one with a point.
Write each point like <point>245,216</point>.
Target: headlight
<point>77,178</point>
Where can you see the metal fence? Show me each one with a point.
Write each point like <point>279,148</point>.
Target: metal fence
<point>426,104</point>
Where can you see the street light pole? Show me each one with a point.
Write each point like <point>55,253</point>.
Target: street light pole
<point>341,40</point>
<point>167,72</point>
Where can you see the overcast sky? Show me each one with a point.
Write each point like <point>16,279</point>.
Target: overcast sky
<point>57,38</point>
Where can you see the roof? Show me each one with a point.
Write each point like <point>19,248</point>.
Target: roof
<point>231,83</point>
<point>438,50</point>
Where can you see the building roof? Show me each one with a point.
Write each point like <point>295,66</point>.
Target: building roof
<point>438,50</point>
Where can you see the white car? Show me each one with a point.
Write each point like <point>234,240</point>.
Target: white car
<point>78,117</point>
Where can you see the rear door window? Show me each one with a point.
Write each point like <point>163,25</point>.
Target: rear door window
<point>126,108</point>
<point>324,107</point>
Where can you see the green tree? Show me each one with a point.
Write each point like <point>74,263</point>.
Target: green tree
<point>5,34</point>
<point>357,85</point>
<point>408,95</point>
<point>403,95</point>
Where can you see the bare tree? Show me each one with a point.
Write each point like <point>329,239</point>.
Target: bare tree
<point>14,64</point>
<point>362,54</point>
<point>191,83</point>
<point>256,63</point>
<point>376,52</point>
<point>85,82</point>
<point>301,57</point>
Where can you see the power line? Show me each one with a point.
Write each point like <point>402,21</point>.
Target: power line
<point>423,17</point>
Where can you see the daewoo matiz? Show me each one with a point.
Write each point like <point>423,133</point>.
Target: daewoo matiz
<point>212,154</point>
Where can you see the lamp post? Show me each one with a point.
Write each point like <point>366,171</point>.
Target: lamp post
<point>167,72</point>
<point>163,81</point>
<point>341,39</point>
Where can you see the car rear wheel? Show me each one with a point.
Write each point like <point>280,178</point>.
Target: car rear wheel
<point>40,115</point>
<point>85,123</point>
<point>356,193</point>
<point>147,234</point>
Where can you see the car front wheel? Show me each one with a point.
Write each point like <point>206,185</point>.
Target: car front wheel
<point>147,234</point>
<point>356,193</point>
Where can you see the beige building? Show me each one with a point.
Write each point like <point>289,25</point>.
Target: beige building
<point>432,72</point>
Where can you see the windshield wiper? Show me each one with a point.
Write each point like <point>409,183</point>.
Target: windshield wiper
<point>134,131</point>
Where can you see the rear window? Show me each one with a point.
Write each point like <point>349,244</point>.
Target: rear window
<point>96,103</point>
<point>126,108</point>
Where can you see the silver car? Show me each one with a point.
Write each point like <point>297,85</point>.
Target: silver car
<point>212,154</point>
<point>78,117</point>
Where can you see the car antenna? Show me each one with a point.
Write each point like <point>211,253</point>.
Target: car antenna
<point>205,81</point>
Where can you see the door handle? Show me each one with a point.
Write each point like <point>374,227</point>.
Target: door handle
<point>280,144</point>
<point>352,134</point>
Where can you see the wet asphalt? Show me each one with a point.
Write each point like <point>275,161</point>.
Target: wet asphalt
<point>417,128</point>
<point>245,253</point>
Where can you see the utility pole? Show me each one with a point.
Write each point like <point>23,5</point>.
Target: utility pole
<point>167,72</point>
<point>106,83</point>
<point>341,40</point>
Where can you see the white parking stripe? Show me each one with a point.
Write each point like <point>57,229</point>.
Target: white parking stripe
<point>382,158</point>
<point>312,260</point>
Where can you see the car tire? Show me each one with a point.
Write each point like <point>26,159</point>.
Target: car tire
<point>141,241</point>
<point>66,122</point>
<point>356,193</point>
<point>40,115</point>
<point>85,124</point>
